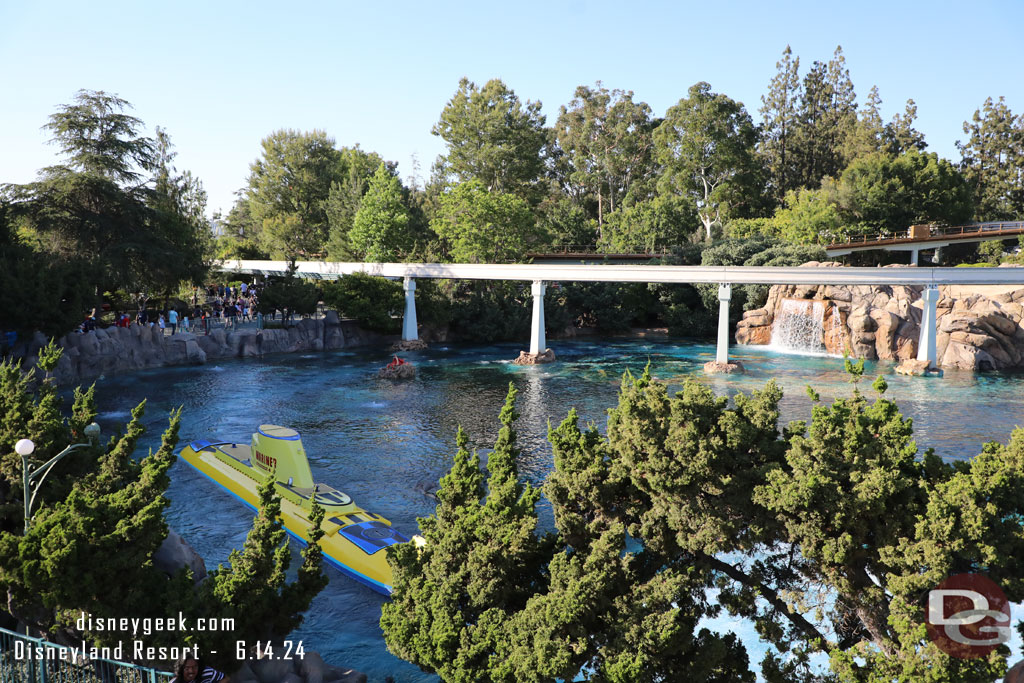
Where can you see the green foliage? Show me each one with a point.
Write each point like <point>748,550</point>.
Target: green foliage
<point>610,307</point>
<point>809,217</point>
<point>705,145</point>
<point>253,590</point>
<point>486,312</point>
<point>992,158</point>
<point>779,111</point>
<point>827,536</point>
<point>380,229</point>
<point>653,225</point>
<point>566,223</point>
<point>827,116</point>
<point>345,196</point>
<point>608,139</point>
<point>134,231</point>
<point>289,294</point>
<point>287,191</point>
<point>485,226</point>
<point>370,300</point>
<point>991,252</point>
<point>482,560</point>
<point>492,138</point>
<point>886,194</point>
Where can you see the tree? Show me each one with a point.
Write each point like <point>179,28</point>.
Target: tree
<point>810,217</point>
<point>493,138</point>
<point>705,145</point>
<point>288,188</point>
<point>993,161</point>
<point>136,231</point>
<point>289,294</point>
<point>482,226</point>
<point>98,522</point>
<point>370,300</point>
<point>345,196</point>
<point>380,230</point>
<point>482,560</point>
<point>608,139</point>
<point>652,225</point>
<point>779,114</point>
<point>886,194</point>
<point>828,114</point>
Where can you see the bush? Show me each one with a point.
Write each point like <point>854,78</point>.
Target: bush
<point>371,300</point>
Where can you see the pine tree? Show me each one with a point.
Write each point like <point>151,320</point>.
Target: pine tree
<point>380,229</point>
<point>993,161</point>
<point>779,123</point>
<point>827,116</point>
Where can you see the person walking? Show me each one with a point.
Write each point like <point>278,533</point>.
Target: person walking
<point>161,323</point>
<point>172,320</point>
<point>191,669</point>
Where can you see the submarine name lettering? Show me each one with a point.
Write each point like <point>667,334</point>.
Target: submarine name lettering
<point>266,461</point>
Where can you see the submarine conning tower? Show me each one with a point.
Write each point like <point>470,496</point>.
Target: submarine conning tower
<point>279,449</point>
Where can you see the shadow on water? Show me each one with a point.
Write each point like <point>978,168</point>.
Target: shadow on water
<point>388,443</point>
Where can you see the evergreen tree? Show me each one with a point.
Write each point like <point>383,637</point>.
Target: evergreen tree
<point>380,229</point>
<point>288,188</point>
<point>779,110</point>
<point>345,196</point>
<point>492,137</point>
<point>993,161</point>
<point>481,561</point>
<point>828,115</point>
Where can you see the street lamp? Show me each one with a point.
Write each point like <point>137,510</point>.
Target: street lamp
<point>25,448</point>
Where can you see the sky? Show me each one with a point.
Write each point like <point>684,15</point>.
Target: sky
<point>220,76</point>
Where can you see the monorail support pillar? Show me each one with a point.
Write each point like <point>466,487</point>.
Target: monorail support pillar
<point>409,327</point>
<point>724,295</point>
<point>929,327</point>
<point>537,341</point>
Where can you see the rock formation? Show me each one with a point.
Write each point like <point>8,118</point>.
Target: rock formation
<point>527,358</point>
<point>116,350</point>
<point>975,331</point>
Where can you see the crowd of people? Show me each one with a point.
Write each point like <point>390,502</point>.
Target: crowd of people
<point>225,303</point>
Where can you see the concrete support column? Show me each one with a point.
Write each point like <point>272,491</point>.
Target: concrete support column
<point>926,342</point>
<point>409,327</point>
<point>724,295</point>
<point>914,253</point>
<point>537,341</point>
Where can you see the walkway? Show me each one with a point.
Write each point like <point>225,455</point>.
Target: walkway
<point>919,238</point>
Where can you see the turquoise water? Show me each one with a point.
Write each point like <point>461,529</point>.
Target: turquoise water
<point>386,444</point>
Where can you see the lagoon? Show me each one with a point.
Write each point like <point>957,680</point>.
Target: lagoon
<point>388,443</point>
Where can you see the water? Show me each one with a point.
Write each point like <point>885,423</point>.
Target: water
<point>799,326</point>
<point>386,444</point>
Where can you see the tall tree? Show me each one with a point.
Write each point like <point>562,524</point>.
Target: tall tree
<point>900,133</point>
<point>706,148</point>
<point>113,203</point>
<point>481,226</point>
<point>993,161</point>
<point>288,189</point>
<point>779,109</point>
<point>492,137</point>
<point>357,167</point>
<point>608,139</point>
<point>380,230</point>
<point>828,114</point>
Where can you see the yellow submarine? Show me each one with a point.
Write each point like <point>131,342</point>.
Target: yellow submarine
<point>355,541</point>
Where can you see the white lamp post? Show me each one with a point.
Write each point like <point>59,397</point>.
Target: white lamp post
<point>25,448</point>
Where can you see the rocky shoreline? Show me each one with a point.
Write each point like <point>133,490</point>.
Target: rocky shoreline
<point>976,331</point>
<point>119,350</point>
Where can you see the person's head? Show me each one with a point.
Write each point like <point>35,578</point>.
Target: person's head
<point>187,669</point>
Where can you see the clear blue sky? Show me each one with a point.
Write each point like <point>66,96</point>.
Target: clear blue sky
<point>219,76</point>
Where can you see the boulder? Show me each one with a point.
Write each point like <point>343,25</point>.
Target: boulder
<point>715,368</point>
<point>527,358</point>
<point>409,345</point>
<point>175,553</point>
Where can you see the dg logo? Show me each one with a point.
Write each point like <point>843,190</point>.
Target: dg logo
<point>968,616</point>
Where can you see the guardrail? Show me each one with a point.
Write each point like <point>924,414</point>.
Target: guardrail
<point>24,659</point>
<point>992,229</point>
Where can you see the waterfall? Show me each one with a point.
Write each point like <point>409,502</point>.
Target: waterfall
<point>799,326</point>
